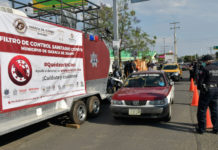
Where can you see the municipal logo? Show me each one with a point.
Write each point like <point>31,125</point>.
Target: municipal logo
<point>20,26</point>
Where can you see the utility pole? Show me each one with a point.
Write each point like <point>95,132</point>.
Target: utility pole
<point>174,28</point>
<point>164,46</point>
<point>116,41</point>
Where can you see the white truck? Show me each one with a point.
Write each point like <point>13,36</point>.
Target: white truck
<point>47,70</point>
<point>169,58</point>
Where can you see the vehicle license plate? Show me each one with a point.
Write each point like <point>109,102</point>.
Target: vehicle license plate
<point>135,112</point>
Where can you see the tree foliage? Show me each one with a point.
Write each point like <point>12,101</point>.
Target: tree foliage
<point>132,38</point>
<point>189,58</point>
<point>216,55</point>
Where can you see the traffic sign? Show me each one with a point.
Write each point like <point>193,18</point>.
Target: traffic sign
<point>116,44</point>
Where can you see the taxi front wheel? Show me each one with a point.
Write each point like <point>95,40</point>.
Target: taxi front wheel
<point>168,117</point>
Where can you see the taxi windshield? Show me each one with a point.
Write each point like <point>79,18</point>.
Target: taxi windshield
<point>145,80</point>
<point>170,67</point>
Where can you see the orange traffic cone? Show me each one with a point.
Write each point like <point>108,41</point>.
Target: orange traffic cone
<point>208,120</point>
<point>195,97</point>
<point>191,88</point>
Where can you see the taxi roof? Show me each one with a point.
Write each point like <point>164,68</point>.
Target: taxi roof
<point>149,71</point>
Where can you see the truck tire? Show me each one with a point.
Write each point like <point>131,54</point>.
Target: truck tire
<point>78,112</point>
<point>93,106</point>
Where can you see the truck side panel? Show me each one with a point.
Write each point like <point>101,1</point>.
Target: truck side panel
<point>40,63</point>
<point>41,67</point>
<point>11,121</point>
<point>97,61</point>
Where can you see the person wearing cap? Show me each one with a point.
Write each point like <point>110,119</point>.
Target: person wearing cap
<point>208,86</point>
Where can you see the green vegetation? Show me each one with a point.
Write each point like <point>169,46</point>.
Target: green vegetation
<point>133,39</point>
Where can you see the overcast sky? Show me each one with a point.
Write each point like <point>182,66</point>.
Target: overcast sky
<point>198,23</point>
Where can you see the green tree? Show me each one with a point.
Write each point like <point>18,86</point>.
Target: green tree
<point>139,40</point>
<point>216,55</point>
<point>189,58</point>
<point>132,38</point>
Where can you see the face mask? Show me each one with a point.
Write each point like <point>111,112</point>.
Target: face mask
<point>161,83</point>
<point>203,64</point>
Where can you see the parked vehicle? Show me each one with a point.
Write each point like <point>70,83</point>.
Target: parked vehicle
<point>48,70</point>
<point>184,66</point>
<point>215,63</point>
<point>173,71</point>
<point>169,58</point>
<point>146,94</point>
<point>113,84</point>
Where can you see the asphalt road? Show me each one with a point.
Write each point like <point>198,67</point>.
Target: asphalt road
<point>104,132</point>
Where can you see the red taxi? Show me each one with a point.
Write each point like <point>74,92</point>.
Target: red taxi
<point>146,94</point>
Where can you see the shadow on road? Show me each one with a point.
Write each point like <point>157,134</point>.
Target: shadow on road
<point>61,120</point>
<point>13,136</point>
<point>185,79</point>
<point>176,103</point>
<point>107,118</point>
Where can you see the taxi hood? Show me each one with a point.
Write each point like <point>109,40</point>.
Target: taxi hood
<point>145,93</point>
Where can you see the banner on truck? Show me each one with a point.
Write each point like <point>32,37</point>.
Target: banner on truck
<point>40,63</point>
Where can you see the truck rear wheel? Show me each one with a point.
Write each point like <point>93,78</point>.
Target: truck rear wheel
<point>78,112</point>
<point>93,106</point>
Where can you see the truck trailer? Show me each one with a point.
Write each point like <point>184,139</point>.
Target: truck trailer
<point>47,70</point>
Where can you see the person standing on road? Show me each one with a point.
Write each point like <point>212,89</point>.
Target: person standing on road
<point>126,69</point>
<point>133,66</point>
<point>191,71</point>
<point>130,67</point>
<point>201,66</point>
<point>195,71</point>
<point>208,85</point>
<point>151,67</point>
